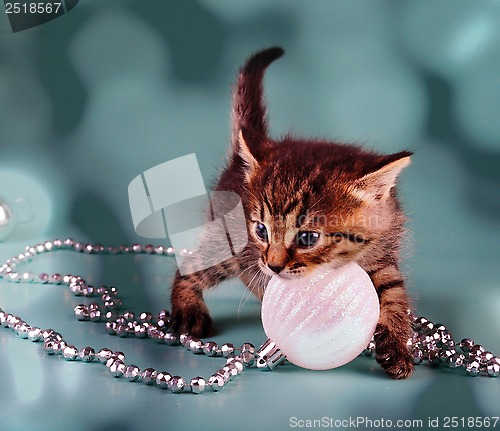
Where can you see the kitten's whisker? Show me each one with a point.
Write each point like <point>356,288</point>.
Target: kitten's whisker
<point>248,290</point>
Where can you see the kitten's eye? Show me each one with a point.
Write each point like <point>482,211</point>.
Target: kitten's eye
<point>307,239</point>
<point>261,231</point>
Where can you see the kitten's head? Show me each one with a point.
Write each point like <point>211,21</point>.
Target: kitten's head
<point>311,203</point>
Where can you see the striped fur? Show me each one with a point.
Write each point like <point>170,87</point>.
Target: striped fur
<point>297,191</point>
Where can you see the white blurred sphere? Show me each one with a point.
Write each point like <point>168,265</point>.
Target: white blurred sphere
<point>478,105</point>
<point>324,320</point>
<point>7,222</point>
<point>450,36</point>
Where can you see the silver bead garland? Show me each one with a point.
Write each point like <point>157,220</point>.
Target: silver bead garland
<point>430,342</point>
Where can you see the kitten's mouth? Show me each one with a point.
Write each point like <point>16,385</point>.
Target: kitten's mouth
<point>282,274</point>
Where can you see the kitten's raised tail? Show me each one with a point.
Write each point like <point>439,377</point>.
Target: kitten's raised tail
<point>249,110</point>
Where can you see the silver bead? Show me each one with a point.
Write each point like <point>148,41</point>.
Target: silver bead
<point>149,249</point>
<point>53,346</point>
<point>164,315</point>
<point>238,364</point>
<point>197,385</point>
<point>70,353</point>
<point>43,277</point>
<point>119,355</point>
<point>176,384</point>
<point>76,289</point>
<point>493,369</point>
<point>50,333</point>
<point>132,373</point>
<point>486,358</point>
<point>111,315</point>
<point>170,251</point>
<point>160,249</point>
<point>433,357</point>
<point>162,379</point>
<point>69,242</point>
<point>3,318</point>
<point>210,348</point>
<point>94,306</point>
<point>117,368</point>
<point>476,351</point>
<point>248,358</point>
<point>12,321</point>
<point>145,317</point>
<point>111,328</point>
<point>473,368</point>
<point>113,304</point>
<point>57,243</point>
<point>148,376</point>
<point>184,339</point>
<point>14,277</point>
<point>79,246</point>
<point>95,315</point>
<point>89,291</point>
<point>466,344</point>
<point>170,338</point>
<point>196,346</point>
<point>227,350</point>
<point>48,245</point>
<point>87,354</point>
<point>48,346</point>
<point>456,360</point>
<point>370,349</point>
<point>137,248</point>
<point>104,355</point>
<point>155,334</point>
<point>233,370</point>
<point>419,323</point>
<point>27,277</point>
<point>226,372</point>
<point>216,382</point>
<point>56,279</point>
<point>122,331</point>
<point>22,329</point>
<point>446,354</point>
<point>35,334</point>
<point>140,331</point>
<point>128,316</point>
<point>247,347</point>
<point>81,312</point>
<point>418,356</point>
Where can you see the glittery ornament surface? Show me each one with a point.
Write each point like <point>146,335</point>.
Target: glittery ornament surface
<point>324,320</point>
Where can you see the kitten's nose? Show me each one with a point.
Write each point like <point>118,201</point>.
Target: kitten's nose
<point>275,268</point>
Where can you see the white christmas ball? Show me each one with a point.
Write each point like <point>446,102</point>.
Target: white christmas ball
<point>324,320</point>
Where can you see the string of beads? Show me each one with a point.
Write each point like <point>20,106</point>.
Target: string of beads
<point>430,342</point>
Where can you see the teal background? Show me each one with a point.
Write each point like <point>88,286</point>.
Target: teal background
<point>94,98</point>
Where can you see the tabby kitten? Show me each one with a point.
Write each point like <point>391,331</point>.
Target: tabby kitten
<point>307,203</point>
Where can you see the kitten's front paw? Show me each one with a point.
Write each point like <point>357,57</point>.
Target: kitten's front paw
<point>392,354</point>
<point>194,322</point>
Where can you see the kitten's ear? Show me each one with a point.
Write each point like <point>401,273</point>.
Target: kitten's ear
<point>249,150</point>
<point>377,185</point>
